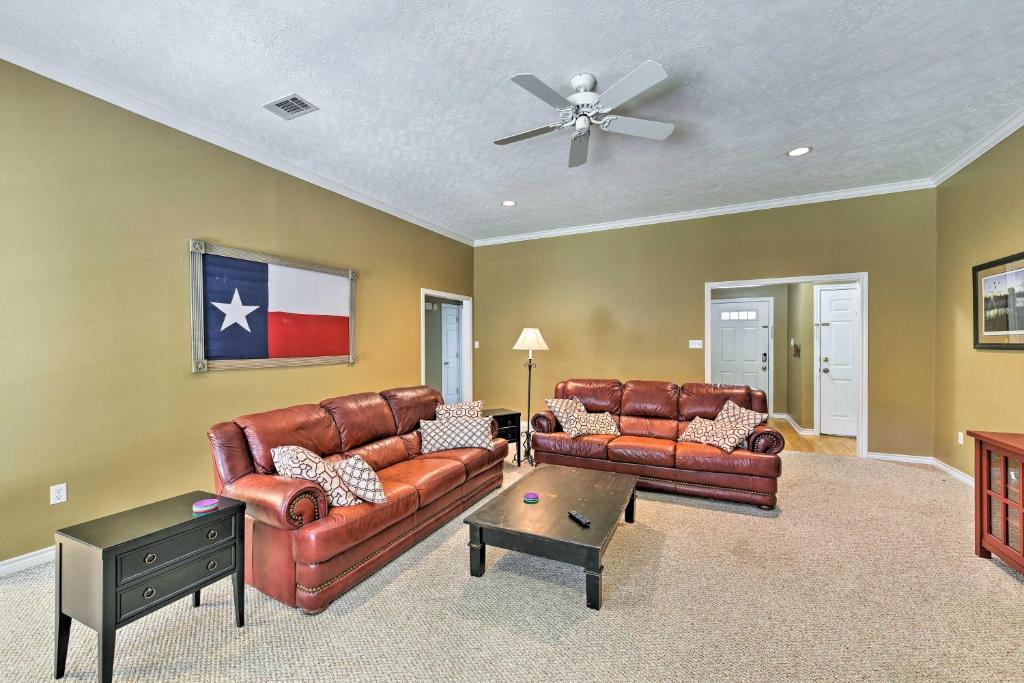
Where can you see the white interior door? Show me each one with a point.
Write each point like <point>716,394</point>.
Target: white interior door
<point>451,343</point>
<point>741,343</point>
<point>838,318</point>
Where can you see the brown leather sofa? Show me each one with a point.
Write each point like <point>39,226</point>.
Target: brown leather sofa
<point>651,415</point>
<point>302,552</point>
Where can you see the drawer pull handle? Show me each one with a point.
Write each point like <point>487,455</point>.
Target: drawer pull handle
<point>212,534</point>
<point>150,558</point>
<point>211,565</point>
<point>148,593</point>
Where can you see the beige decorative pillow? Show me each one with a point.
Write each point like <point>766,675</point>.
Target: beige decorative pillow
<point>698,431</point>
<point>300,463</point>
<point>360,479</point>
<point>733,425</point>
<point>580,424</point>
<point>458,432</point>
<point>731,411</point>
<point>565,408</point>
<point>446,411</point>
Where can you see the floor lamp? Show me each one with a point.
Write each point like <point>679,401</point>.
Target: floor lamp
<point>530,340</point>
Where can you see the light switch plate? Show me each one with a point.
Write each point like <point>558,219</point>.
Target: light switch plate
<point>476,345</point>
<point>960,438</point>
<point>696,343</point>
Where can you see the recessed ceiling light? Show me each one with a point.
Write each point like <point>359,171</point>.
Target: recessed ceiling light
<point>799,151</point>
<point>508,202</point>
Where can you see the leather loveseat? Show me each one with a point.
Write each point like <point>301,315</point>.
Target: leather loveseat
<point>651,416</point>
<point>302,552</point>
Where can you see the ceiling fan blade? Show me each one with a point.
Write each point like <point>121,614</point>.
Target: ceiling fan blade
<point>540,89</point>
<point>578,149</point>
<point>645,76</point>
<point>641,128</point>
<point>528,134</point>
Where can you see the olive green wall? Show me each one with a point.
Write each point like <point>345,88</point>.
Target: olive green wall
<point>432,344</point>
<point>623,303</point>
<point>780,322</point>
<point>96,206</point>
<point>801,370</point>
<point>980,218</point>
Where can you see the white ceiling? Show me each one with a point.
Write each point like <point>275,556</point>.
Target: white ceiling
<point>889,93</point>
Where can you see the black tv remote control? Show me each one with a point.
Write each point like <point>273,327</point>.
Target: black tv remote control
<point>579,519</point>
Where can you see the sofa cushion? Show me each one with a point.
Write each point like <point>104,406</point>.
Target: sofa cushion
<point>432,478</point>
<point>560,443</point>
<point>409,405</point>
<point>707,458</point>
<point>308,426</point>
<point>344,527</point>
<point>707,400</point>
<point>361,418</point>
<point>650,399</point>
<point>597,395</point>
<point>383,453</point>
<point>475,460</point>
<point>642,450</point>
<point>654,427</point>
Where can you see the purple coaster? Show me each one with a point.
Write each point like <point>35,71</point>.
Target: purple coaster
<point>531,496</point>
<point>205,505</point>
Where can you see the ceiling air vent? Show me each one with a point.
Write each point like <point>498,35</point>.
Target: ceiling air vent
<point>290,107</point>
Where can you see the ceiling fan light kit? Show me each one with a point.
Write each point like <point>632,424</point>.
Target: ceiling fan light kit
<point>585,108</point>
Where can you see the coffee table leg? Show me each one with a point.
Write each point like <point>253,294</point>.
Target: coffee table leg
<point>477,551</point>
<point>631,508</point>
<point>593,588</point>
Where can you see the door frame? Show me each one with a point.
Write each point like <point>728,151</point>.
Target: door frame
<point>466,342</point>
<point>771,340</point>
<point>862,281</point>
<point>817,347</point>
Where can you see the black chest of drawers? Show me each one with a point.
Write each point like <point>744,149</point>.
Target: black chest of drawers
<point>508,426</point>
<point>114,570</point>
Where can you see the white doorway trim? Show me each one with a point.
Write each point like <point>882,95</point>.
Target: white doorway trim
<point>771,340</point>
<point>817,349</point>
<point>862,281</point>
<point>466,353</point>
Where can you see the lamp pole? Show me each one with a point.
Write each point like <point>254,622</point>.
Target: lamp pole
<point>530,365</point>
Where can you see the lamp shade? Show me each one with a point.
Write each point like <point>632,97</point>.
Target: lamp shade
<point>530,340</point>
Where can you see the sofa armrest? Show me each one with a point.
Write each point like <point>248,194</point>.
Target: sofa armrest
<point>766,440</point>
<point>281,502</point>
<point>544,421</point>
<point>494,428</point>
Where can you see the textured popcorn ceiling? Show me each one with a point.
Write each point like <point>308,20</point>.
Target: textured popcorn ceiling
<point>411,94</point>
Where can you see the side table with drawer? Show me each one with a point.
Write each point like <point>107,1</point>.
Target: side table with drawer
<point>508,427</point>
<point>116,569</point>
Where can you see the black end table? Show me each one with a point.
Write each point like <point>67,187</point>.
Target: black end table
<point>508,427</point>
<point>544,528</point>
<point>116,569</point>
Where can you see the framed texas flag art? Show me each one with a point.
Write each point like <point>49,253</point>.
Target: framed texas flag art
<point>252,310</point>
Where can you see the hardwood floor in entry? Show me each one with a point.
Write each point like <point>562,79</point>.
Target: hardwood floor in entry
<point>832,445</point>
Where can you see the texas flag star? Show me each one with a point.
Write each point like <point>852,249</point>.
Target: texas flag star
<point>235,313</point>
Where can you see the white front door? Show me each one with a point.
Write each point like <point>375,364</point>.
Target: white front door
<point>838,319</point>
<point>741,342</point>
<point>451,342</point>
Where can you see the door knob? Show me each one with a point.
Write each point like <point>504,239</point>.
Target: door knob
<point>825,370</point>
<point>764,367</point>
<point>446,362</point>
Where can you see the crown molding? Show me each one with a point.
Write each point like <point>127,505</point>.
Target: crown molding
<point>888,188</point>
<point>90,86</point>
<point>1003,131</point>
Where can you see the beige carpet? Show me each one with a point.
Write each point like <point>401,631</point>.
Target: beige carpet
<point>866,571</point>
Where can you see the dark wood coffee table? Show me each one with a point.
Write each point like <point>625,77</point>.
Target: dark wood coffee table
<point>545,530</point>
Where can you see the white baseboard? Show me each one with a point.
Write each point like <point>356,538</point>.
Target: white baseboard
<point>926,460</point>
<point>792,423</point>
<point>32,559</point>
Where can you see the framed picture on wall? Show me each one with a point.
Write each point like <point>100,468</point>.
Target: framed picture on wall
<point>999,304</point>
<point>252,310</point>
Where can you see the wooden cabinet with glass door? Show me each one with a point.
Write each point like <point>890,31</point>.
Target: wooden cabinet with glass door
<point>999,507</point>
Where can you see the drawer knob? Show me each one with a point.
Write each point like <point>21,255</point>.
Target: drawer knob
<point>148,593</point>
<point>212,534</point>
<point>211,565</point>
<point>150,558</point>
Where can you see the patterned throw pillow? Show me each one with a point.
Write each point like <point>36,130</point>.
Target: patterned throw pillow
<point>733,425</point>
<point>698,431</point>
<point>579,424</point>
<point>457,432</point>
<point>299,463</point>
<point>731,411</point>
<point>446,411</point>
<point>565,408</point>
<point>361,480</point>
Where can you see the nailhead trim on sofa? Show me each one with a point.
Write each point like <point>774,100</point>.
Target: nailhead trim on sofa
<point>709,486</point>
<point>297,520</point>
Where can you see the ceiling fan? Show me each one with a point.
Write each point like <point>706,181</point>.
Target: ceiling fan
<point>585,108</point>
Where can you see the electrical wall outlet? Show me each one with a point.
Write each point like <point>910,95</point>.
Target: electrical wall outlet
<point>476,345</point>
<point>59,493</point>
<point>696,343</point>
<point>960,438</point>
